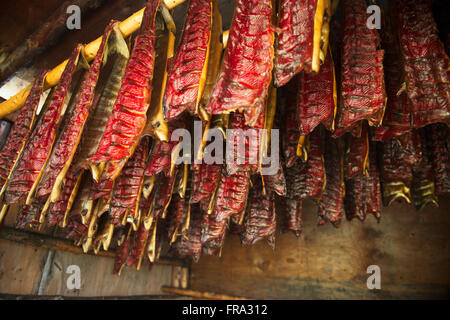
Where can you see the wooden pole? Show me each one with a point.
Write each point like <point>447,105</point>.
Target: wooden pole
<point>127,27</point>
<point>200,294</point>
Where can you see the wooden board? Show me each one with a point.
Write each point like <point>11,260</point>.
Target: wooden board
<point>20,264</point>
<point>97,278</point>
<point>20,268</point>
<point>412,249</point>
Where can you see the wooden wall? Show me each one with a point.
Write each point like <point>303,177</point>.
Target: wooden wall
<point>21,273</point>
<point>411,248</point>
<point>21,267</point>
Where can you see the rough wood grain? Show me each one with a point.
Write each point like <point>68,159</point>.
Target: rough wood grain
<point>20,268</point>
<point>43,241</point>
<point>411,248</point>
<point>97,278</point>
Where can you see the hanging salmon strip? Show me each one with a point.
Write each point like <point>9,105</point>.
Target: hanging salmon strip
<point>317,98</point>
<point>303,37</point>
<point>138,248</point>
<point>67,143</point>
<point>438,142</point>
<point>275,183</point>
<point>247,137</point>
<point>396,167</point>
<point>118,55</point>
<point>20,131</point>
<point>246,71</point>
<point>363,192</point>
<point>232,194</point>
<point>128,185</point>
<point>307,179</point>
<point>331,205</point>
<point>356,159</point>
<point>128,117</point>
<point>28,215</point>
<point>212,234</point>
<point>178,218</point>
<point>160,159</point>
<point>60,208</point>
<point>123,250</point>
<point>426,64</point>
<point>29,168</point>
<point>292,214</point>
<point>397,117</point>
<point>190,245</point>
<point>260,219</point>
<point>187,75</point>
<point>423,188</point>
<point>205,181</point>
<point>163,194</point>
<point>288,101</point>
<point>362,84</point>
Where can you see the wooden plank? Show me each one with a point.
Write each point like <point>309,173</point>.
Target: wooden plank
<point>48,242</point>
<point>20,268</point>
<point>23,254</point>
<point>97,279</point>
<point>21,271</point>
<point>412,249</point>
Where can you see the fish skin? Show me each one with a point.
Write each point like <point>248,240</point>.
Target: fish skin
<point>295,40</point>
<point>246,72</point>
<point>183,82</point>
<point>20,131</point>
<point>128,118</point>
<point>35,155</point>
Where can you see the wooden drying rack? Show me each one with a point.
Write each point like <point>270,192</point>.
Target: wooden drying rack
<point>180,267</point>
<point>127,27</point>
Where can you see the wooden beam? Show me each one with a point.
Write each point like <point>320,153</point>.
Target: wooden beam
<point>199,294</point>
<point>127,27</point>
<point>47,242</point>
